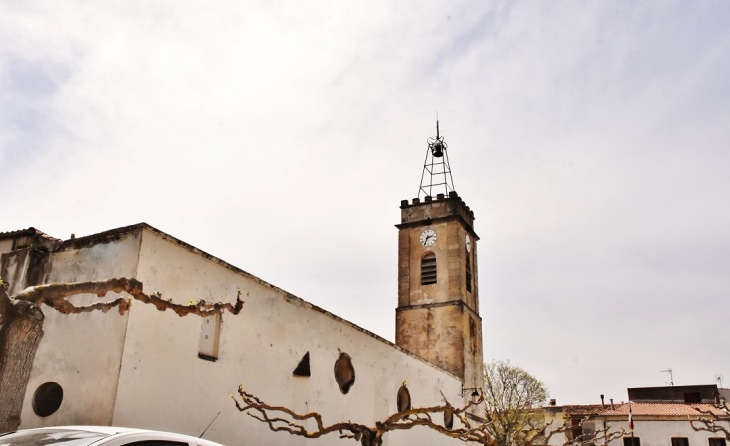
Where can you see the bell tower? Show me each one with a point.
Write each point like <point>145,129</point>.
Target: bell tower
<point>438,289</point>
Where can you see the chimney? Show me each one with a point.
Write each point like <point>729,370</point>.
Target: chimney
<point>603,404</point>
<point>552,401</point>
<point>612,408</point>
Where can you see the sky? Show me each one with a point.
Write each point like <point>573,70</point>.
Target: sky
<point>591,139</point>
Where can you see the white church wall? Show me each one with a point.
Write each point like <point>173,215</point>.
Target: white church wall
<point>82,353</point>
<point>164,385</point>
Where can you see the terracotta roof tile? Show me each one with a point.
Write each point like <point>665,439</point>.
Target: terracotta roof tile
<point>29,231</point>
<point>590,409</point>
<point>682,409</point>
<point>647,409</point>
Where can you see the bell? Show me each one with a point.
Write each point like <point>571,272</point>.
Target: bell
<point>437,149</point>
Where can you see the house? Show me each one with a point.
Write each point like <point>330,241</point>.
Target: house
<point>661,417</point>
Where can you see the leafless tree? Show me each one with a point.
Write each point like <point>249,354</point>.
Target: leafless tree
<point>513,399</point>
<point>283,419</point>
<point>21,327</point>
<point>538,436</point>
<point>709,421</point>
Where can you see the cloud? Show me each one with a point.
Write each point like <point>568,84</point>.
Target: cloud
<point>588,138</point>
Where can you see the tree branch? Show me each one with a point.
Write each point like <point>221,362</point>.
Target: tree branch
<point>422,416</point>
<point>537,436</point>
<point>55,295</point>
<point>708,422</point>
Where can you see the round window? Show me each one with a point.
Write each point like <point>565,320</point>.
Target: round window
<point>47,399</point>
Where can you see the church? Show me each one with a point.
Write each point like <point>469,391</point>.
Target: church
<point>152,369</point>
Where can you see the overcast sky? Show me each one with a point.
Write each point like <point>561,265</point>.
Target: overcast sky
<point>591,139</point>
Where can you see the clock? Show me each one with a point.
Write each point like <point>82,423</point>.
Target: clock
<point>468,243</point>
<point>428,237</point>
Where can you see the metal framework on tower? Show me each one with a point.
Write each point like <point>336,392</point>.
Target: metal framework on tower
<point>436,177</point>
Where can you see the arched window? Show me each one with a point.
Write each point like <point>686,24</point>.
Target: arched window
<point>403,398</point>
<point>428,269</point>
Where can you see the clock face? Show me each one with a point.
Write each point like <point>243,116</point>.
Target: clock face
<point>428,237</point>
<point>468,243</point>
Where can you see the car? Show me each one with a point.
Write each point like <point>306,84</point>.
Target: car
<point>98,436</point>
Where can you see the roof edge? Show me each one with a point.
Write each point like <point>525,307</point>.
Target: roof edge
<point>113,234</point>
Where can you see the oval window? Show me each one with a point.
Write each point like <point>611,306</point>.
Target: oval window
<point>47,399</point>
<point>448,419</point>
<point>344,372</point>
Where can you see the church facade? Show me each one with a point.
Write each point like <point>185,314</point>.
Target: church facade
<point>155,370</point>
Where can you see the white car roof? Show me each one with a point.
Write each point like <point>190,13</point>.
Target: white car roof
<point>115,430</point>
<point>109,430</point>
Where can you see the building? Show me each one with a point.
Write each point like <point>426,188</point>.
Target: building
<point>152,369</point>
<point>660,416</point>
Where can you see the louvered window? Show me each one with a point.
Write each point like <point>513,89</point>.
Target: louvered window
<point>468,273</point>
<point>428,269</point>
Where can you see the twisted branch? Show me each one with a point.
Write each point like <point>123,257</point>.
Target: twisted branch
<point>709,422</point>
<point>55,296</point>
<point>421,416</point>
<point>537,436</point>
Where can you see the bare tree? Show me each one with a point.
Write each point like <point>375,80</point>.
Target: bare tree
<point>538,436</point>
<point>21,327</point>
<point>513,399</point>
<point>709,421</point>
<point>283,419</point>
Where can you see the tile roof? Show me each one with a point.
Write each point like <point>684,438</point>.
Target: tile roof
<point>647,409</point>
<point>29,231</point>
<point>591,409</point>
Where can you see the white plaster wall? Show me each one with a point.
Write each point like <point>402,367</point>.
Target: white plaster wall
<point>650,432</point>
<point>164,385</point>
<point>83,352</point>
<point>660,432</point>
<point>6,245</point>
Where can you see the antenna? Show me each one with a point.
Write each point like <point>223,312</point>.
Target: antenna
<point>436,176</point>
<point>671,377</point>
<point>718,378</point>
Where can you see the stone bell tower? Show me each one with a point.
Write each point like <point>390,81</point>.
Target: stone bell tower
<point>438,290</point>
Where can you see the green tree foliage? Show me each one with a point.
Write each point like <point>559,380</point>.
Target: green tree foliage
<point>513,399</point>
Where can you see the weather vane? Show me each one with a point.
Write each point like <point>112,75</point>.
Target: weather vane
<point>436,176</point>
